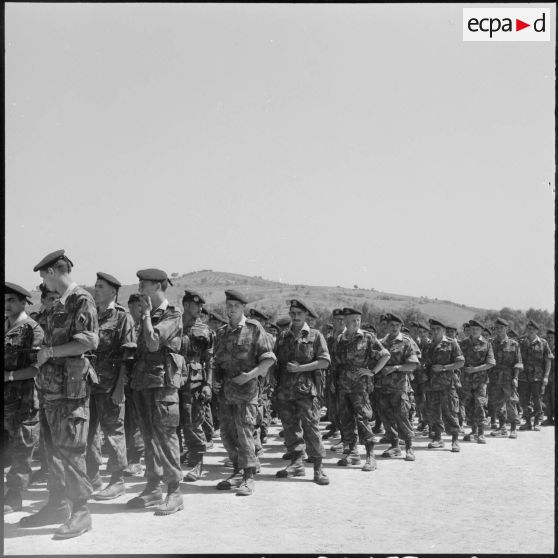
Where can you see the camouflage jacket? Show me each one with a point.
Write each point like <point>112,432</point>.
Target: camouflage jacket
<point>72,318</point>
<point>402,351</point>
<point>117,339</point>
<point>349,355</point>
<point>23,335</point>
<point>552,374</point>
<point>303,347</point>
<point>476,352</point>
<point>197,349</point>
<point>508,356</point>
<point>535,354</point>
<point>447,351</point>
<point>240,349</point>
<point>165,366</point>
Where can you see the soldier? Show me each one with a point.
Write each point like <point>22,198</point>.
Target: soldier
<point>331,389</point>
<point>466,331</point>
<point>537,360</point>
<point>504,379</point>
<point>197,349</point>
<point>117,342</point>
<point>216,321</point>
<point>382,326</point>
<point>72,329</point>
<point>301,355</point>
<point>479,357</point>
<point>284,323</point>
<point>451,333</point>
<point>204,315</point>
<point>156,377</point>
<point>357,356</point>
<point>393,386</point>
<point>512,334</point>
<point>422,340</point>
<point>551,390</point>
<point>442,358</point>
<point>243,353</point>
<point>21,336</point>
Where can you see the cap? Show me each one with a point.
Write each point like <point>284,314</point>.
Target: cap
<point>383,317</point>
<point>109,279</point>
<point>434,322</point>
<point>487,331</point>
<point>476,323</point>
<point>369,327</point>
<point>466,325</point>
<point>297,303</point>
<point>134,297</point>
<point>423,325</point>
<point>217,317</point>
<point>16,289</point>
<point>192,296</point>
<point>501,321</point>
<point>532,323</point>
<point>285,321</point>
<point>258,314</point>
<point>231,294</point>
<point>351,312</point>
<point>51,259</point>
<point>393,318</point>
<point>153,274</point>
<point>337,312</point>
<point>513,333</point>
<point>451,326</point>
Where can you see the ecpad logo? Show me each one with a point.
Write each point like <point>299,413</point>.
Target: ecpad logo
<point>506,24</point>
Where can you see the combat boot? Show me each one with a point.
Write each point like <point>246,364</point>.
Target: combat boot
<point>394,451</point>
<point>247,486</point>
<point>501,432</point>
<point>537,425</point>
<point>527,425</point>
<point>409,451</point>
<point>78,523</point>
<point>12,500</point>
<point>344,461</point>
<point>370,463</point>
<point>173,502</point>
<point>513,434</point>
<point>97,482</point>
<point>437,442</point>
<point>319,476</point>
<point>234,481</point>
<point>354,457</point>
<point>455,443</point>
<point>114,489</point>
<point>55,511</point>
<point>295,469</point>
<point>150,497</point>
<point>195,472</point>
<point>471,437</point>
<point>481,439</point>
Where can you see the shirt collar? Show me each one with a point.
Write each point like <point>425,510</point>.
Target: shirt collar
<point>305,329</point>
<point>163,306</point>
<point>359,331</point>
<point>68,291</point>
<point>398,337</point>
<point>23,316</point>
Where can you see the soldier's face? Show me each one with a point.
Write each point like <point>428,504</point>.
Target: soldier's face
<point>192,309</point>
<point>104,292</point>
<point>13,305</point>
<point>467,331</point>
<point>235,310</point>
<point>135,310</point>
<point>393,327</point>
<point>476,332</point>
<point>451,333</point>
<point>550,339</point>
<point>148,288</point>
<point>338,323</point>
<point>298,317</point>
<point>437,331</point>
<point>49,278</point>
<point>531,331</point>
<point>500,330</point>
<point>352,322</point>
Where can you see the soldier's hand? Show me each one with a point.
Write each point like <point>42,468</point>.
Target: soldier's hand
<point>145,304</point>
<point>205,394</point>
<point>43,355</point>
<point>543,387</point>
<point>362,372</point>
<point>467,369</point>
<point>241,379</point>
<point>292,366</point>
<point>515,382</point>
<point>117,396</point>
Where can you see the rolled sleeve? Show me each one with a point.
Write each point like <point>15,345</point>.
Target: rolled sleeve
<point>87,338</point>
<point>264,348</point>
<point>168,328</point>
<point>490,356</point>
<point>321,352</point>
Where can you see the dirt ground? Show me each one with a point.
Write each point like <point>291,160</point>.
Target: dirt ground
<point>496,498</point>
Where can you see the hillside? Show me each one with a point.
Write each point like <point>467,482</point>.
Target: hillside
<point>272,295</point>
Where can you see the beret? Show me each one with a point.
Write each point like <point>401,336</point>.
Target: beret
<point>414,324</point>
<point>405,329</point>
<point>513,333</point>
<point>532,323</point>
<point>451,326</point>
<point>393,318</point>
<point>423,325</point>
<point>486,330</point>
<point>217,317</point>
<point>109,279</point>
<point>51,259</point>
<point>284,321</point>
<point>369,327</point>
<point>438,323</point>
<point>337,312</point>
<point>501,321</point>
<point>258,314</point>
<point>550,332</point>
<point>153,274</point>
<point>271,325</point>
<point>351,312</point>
<point>16,289</point>
<point>134,297</point>
<point>192,296</point>
<point>475,323</point>
<point>231,294</point>
<point>297,303</point>
<point>383,317</point>
<point>466,324</point>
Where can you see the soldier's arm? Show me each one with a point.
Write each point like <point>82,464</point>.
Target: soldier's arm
<point>322,357</point>
<point>489,362</point>
<point>410,364</point>
<point>458,361</point>
<point>168,328</point>
<point>548,356</point>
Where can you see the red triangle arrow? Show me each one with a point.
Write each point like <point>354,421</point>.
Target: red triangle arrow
<point>519,25</point>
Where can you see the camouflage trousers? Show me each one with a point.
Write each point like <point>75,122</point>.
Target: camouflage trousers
<point>331,402</point>
<point>550,401</point>
<point>21,424</point>
<point>158,416</point>
<point>237,423</point>
<point>505,400</point>
<point>492,391</point>
<point>110,417</point>
<point>301,419</point>
<point>419,400</point>
<point>134,441</point>
<point>64,428</point>
<point>355,414</point>
<point>192,416</point>
<point>207,425</point>
<point>475,401</point>
<point>530,399</point>
<point>394,410</point>
<point>442,410</point>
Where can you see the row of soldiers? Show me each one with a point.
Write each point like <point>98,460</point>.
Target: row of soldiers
<point>156,375</point>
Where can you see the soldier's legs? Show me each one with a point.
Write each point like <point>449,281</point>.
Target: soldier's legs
<point>229,435</point>
<point>143,402</point>
<point>93,457</point>
<point>215,412</point>
<point>400,405</point>
<point>309,413</point>
<point>510,405</point>
<point>491,391</point>
<point>537,403</point>
<point>386,415</point>
<point>292,427</point>
<point>134,440</point>
<point>449,406</point>
<point>347,420</point>
<point>362,413</point>
<point>244,415</point>
<point>469,404</point>
<point>434,413</point>
<point>479,403</point>
<point>550,394</point>
<point>192,417</point>
<point>524,389</point>
<point>112,425</point>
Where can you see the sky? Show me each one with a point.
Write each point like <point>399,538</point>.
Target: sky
<point>317,144</point>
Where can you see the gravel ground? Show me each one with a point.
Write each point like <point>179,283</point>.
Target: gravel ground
<point>497,498</point>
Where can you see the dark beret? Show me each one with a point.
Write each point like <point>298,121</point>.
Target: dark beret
<point>297,303</point>
<point>271,325</point>
<point>258,314</point>
<point>134,297</point>
<point>423,325</point>
<point>19,291</point>
<point>466,324</point>
<point>217,317</point>
<point>501,321</point>
<point>438,323</point>
<point>284,321</point>
<point>383,317</point>
<point>351,312</point>
<point>550,332</point>
<point>414,324</point>
<point>192,296</point>
<point>405,329</point>
<point>513,333</point>
<point>476,323</point>
<point>534,324</point>
<point>337,312</point>
<point>393,318</point>
<point>51,259</point>
<point>232,294</point>
<point>109,279</point>
<point>487,331</point>
<point>153,274</point>
<point>370,327</point>
<point>451,326</point>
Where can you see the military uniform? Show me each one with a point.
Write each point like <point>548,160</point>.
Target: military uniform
<point>551,389</point>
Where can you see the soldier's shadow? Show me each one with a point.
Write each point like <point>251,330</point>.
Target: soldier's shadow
<point>14,531</point>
